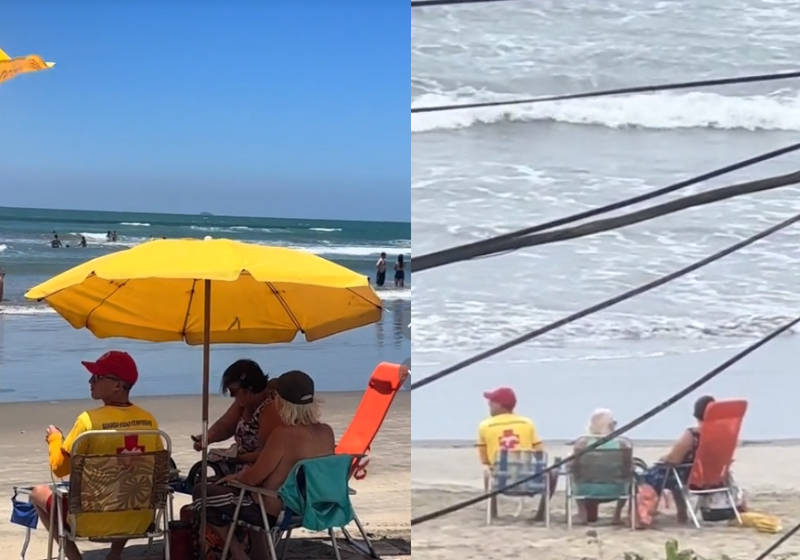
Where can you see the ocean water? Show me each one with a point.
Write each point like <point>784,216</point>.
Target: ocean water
<point>479,173</point>
<point>40,354</point>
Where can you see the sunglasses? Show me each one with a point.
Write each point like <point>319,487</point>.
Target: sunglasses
<point>97,378</point>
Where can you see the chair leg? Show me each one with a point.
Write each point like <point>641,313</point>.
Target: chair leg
<point>267,528</point>
<point>568,504</point>
<point>167,537</point>
<point>232,530</point>
<point>62,537</point>
<point>546,499</point>
<point>285,544</point>
<point>732,501</point>
<point>50,532</point>
<point>335,544</point>
<point>370,549</point>
<point>27,541</point>
<point>25,544</point>
<point>686,496</point>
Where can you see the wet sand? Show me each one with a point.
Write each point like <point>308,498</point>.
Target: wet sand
<point>382,502</point>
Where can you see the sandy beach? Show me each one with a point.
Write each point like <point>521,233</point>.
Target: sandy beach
<point>443,476</point>
<point>382,501</point>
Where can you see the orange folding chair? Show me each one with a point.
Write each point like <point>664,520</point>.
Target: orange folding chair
<point>711,471</point>
<point>384,384</point>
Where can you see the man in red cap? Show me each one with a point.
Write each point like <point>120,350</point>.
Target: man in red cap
<point>504,429</point>
<point>112,376</point>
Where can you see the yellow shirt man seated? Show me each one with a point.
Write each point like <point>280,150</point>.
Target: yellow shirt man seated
<point>112,377</point>
<point>504,429</point>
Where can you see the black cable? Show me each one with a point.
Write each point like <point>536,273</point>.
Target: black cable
<point>426,3</point>
<point>610,92</point>
<point>777,544</point>
<point>490,246</point>
<point>619,431</point>
<point>604,304</point>
<point>478,247</point>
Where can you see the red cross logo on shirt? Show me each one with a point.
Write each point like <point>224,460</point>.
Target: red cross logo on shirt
<point>509,440</point>
<point>131,446</point>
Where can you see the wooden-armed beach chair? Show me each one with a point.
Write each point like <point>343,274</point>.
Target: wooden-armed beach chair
<point>711,471</point>
<point>511,466</point>
<point>384,384</point>
<point>113,484</point>
<point>603,475</point>
<point>304,496</point>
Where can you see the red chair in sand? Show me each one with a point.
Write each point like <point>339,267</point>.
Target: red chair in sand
<point>711,470</point>
<point>384,384</point>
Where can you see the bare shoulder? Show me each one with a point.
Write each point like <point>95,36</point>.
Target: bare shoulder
<point>326,431</point>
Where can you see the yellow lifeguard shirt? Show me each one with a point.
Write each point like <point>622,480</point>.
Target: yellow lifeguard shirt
<point>507,431</point>
<point>121,419</point>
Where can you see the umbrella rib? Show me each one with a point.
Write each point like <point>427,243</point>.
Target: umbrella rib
<point>285,306</point>
<point>363,298</point>
<point>99,305</point>
<point>188,309</point>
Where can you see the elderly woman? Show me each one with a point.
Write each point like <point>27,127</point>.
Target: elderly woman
<point>676,463</point>
<point>250,419</point>
<point>601,424</point>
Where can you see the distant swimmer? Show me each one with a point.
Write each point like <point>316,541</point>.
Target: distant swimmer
<point>55,243</point>
<point>108,235</point>
<point>114,236</point>
<point>400,272</point>
<point>82,242</point>
<point>380,276</point>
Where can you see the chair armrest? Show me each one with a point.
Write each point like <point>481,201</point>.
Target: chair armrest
<point>254,489</point>
<point>60,489</point>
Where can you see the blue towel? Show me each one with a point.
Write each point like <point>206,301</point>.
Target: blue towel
<point>316,491</point>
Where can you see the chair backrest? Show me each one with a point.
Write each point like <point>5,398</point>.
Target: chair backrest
<point>605,465</point>
<point>719,436</point>
<point>317,492</point>
<point>384,384</point>
<point>125,482</point>
<point>511,466</point>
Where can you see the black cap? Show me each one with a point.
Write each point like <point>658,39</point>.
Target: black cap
<point>295,387</point>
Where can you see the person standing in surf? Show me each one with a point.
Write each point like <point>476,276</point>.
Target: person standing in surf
<point>400,272</point>
<point>380,276</point>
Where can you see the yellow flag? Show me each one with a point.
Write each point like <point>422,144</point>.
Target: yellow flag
<point>11,67</point>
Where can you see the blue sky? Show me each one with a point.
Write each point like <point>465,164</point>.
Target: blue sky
<point>294,109</point>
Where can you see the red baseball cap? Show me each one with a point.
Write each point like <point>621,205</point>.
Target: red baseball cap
<point>116,363</point>
<point>504,396</point>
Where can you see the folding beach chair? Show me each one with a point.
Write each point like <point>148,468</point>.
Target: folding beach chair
<point>711,471</point>
<point>303,496</point>
<point>112,484</point>
<point>603,475</point>
<point>512,466</point>
<point>384,384</point>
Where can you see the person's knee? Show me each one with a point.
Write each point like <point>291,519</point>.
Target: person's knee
<point>41,496</point>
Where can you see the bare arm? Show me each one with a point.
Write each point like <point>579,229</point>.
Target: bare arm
<point>679,449</point>
<point>224,428</point>
<point>268,460</point>
<point>484,457</point>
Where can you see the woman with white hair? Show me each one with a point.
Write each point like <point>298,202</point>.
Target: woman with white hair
<point>590,495</point>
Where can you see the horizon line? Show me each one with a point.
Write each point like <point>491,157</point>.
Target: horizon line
<point>198,214</point>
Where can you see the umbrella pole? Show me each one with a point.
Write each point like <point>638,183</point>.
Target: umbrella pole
<point>206,383</point>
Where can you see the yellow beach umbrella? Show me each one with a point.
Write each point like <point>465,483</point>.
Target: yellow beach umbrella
<point>11,67</point>
<point>211,291</point>
<point>261,295</point>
